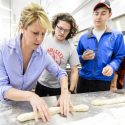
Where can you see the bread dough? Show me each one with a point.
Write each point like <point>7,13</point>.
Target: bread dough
<point>99,102</point>
<point>53,110</point>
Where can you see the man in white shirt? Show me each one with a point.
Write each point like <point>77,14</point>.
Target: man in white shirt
<point>62,51</point>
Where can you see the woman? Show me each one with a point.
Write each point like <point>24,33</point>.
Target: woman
<point>22,60</point>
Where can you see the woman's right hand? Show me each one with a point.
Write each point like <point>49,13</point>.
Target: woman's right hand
<point>39,106</point>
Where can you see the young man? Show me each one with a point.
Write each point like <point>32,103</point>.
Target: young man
<point>100,52</point>
<point>62,51</point>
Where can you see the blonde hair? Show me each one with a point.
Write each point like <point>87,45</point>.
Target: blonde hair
<point>31,13</point>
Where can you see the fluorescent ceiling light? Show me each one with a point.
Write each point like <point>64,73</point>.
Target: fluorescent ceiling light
<point>5,8</point>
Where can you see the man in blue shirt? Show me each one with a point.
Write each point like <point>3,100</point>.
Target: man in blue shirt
<point>22,60</point>
<point>100,52</point>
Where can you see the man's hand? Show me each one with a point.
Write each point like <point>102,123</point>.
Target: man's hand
<point>107,71</point>
<point>88,55</point>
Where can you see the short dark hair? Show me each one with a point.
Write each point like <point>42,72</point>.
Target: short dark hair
<point>69,19</point>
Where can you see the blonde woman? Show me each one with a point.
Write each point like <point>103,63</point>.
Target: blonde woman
<point>22,60</point>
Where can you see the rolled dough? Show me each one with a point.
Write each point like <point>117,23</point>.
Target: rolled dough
<point>99,102</point>
<point>53,110</point>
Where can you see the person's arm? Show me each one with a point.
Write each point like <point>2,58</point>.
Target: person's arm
<point>74,62</point>
<point>73,79</point>
<point>84,55</point>
<point>118,52</point>
<point>117,56</point>
<point>64,99</point>
<point>8,92</point>
<point>80,50</point>
<point>113,86</point>
<point>37,103</point>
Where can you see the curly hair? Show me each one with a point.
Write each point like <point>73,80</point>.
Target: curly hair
<point>69,19</point>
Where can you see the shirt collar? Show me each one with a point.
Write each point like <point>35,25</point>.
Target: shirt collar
<point>90,31</point>
<point>14,43</point>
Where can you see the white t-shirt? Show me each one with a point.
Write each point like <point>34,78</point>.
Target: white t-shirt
<point>98,34</point>
<point>63,53</point>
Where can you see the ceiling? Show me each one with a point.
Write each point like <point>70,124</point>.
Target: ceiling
<point>51,6</point>
<point>55,6</point>
<point>81,10</point>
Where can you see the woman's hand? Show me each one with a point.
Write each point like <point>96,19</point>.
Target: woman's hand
<point>65,103</point>
<point>37,103</point>
<point>39,106</point>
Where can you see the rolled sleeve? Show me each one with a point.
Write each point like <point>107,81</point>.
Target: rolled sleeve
<point>4,86</point>
<point>80,50</point>
<point>119,52</point>
<point>3,90</point>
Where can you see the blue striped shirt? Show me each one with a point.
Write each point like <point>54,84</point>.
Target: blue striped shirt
<point>11,67</point>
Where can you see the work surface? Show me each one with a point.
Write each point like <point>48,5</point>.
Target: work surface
<point>9,110</point>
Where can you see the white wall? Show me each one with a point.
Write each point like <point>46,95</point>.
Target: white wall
<point>9,16</point>
<point>4,18</point>
<point>84,16</point>
<point>10,12</point>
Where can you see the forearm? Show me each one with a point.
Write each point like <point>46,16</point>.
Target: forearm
<point>64,84</point>
<point>73,80</point>
<point>18,95</point>
<point>115,63</point>
<point>114,82</point>
<point>37,103</point>
<point>64,99</point>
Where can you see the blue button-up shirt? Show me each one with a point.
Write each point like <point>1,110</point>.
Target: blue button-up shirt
<point>11,67</point>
